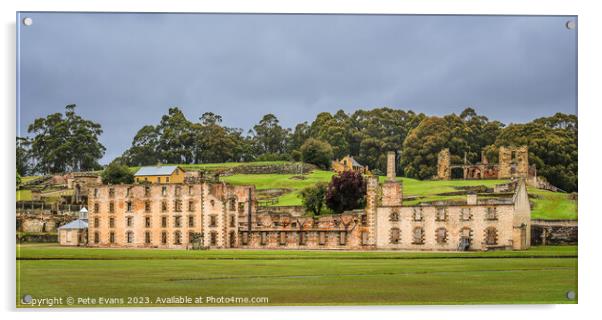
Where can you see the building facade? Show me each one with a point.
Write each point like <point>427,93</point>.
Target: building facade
<point>348,163</point>
<point>160,174</point>
<point>225,216</point>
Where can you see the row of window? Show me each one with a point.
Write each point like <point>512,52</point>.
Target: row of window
<point>177,237</point>
<point>147,190</point>
<point>129,221</point>
<point>302,237</point>
<point>177,205</point>
<point>442,214</point>
<point>441,235</point>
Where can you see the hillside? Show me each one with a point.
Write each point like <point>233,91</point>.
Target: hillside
<point>546,204</point>
<point>283,189</point>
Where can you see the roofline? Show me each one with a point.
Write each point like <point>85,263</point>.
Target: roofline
<point>149,175</point>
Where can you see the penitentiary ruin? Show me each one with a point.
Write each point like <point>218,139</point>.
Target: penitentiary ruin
<point>216,215</point>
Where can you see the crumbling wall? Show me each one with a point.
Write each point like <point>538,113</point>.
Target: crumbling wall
<point>42,221</point>
<point>443,165</point>
<point>513,162</point>
<point>554,232</point>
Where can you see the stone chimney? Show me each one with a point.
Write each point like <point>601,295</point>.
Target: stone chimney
<point>392,193</point>
<point>391,166</point>
<point>471,198</point>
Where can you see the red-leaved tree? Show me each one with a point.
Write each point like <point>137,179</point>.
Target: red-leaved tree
<point>346,191</point>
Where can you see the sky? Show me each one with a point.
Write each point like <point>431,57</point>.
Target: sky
<point>125,70</point>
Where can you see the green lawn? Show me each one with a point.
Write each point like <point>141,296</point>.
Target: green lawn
<point>540,275</point>
<point>548,205</point>
<point>272,181</point>
<point>552,205</point>
<point>23,195</point>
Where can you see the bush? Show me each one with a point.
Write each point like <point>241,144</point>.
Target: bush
<point>273,157</point>
<point>313,198</point>
<point>296,155</point>
<point>117,173</point>
<point>346,191</point>
<point>317,152</point>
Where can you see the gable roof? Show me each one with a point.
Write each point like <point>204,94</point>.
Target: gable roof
<point>156,171</point>
<point>76,224</point>
<point>355,163</point>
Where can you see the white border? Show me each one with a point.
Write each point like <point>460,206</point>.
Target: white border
<point>590,117</point>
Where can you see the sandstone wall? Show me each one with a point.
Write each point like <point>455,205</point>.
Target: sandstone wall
<point>444,165</point>
<point>453,223</point>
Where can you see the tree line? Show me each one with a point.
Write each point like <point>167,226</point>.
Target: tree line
<point>67,142</point>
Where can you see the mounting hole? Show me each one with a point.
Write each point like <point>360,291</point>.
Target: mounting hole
<point>570,24</point>
<point>28,21</point>
<point>570,295</point>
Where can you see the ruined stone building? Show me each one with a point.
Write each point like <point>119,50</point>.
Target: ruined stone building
<point>218,215</point>
<point>513,163</point>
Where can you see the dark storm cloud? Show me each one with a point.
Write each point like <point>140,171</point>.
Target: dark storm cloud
<point>125,70</point>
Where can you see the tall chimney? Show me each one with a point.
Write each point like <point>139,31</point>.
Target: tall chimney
<point>391,166</point>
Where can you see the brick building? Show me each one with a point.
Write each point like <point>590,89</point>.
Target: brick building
<point>223,216</point>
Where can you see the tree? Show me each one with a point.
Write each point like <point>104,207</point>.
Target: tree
<point>552,143</point>
<point>23,156</point>
<point>65,143</point>
<point>313,197</point>
<point>176,137</point>
<point>18,179</point>
<point>422,145</point>
<point>117,173</point>
<point>216,143</point>
<point>467,134</point>
<point>145,148</point>
<point>334,130</point>
<point>317,152</point>
<point>298,137</point>
<point>269,136</point>
<point>346,191</point>
<point>376,131</point>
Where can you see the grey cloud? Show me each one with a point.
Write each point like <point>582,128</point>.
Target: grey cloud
<point>125,70</point>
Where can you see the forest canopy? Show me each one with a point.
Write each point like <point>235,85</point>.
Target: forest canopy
<point>68,142</point>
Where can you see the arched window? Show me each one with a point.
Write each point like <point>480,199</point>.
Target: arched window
<point>394,216</point>
<point>466,232</point>
<point>491,236</point>
<point>418,236</point>
<point>395,236</point>
<point>177,237</point>
<point>441,235</point>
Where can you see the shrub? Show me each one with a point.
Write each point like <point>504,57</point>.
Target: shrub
<point>346,191</point>
<point>317,152</point>
<point>313,198</point>
<point>117,173</point>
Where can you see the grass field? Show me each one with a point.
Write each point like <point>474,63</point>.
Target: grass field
<point>23,195</point>
<point>547,205</point>
<point>539,275</point>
